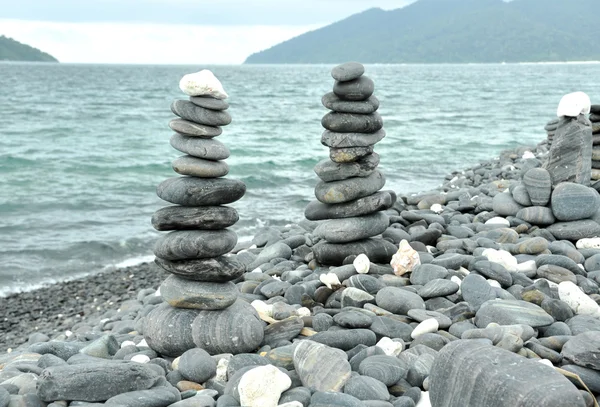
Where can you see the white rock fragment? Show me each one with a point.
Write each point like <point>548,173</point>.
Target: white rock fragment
<point>546,362</point>
<point>580,302</point>
<point>222,370</point>
<point>589,243</point>
<point>257,270</point>
<point>362,264</point>
<point>458,281</point>
<point>68,333</point>
<point>140,358</point>
<point>424,400</point>
<point>303,312</point>
<point>494,283</point>
<point>127,343</point>
<point>405,259</point>
<point>175,363</point>
<point>574,104</point>
<point>497,220</point>
<point>263,307</point>
<point>526,266</point>
<point>203,83</point>
<point>262,386</point>
<point>502,257</point>
<point>428,326</point>
<point>528,154</point>
<point>330,280</point>
<point>437,208</point>
<point>390,347</point>
<point>157,293</point>
<point>291,404</point>
<point>142,344</point>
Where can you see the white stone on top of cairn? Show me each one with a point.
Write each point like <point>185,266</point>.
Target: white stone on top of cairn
<point>574,104</point>
<point>203,83</point>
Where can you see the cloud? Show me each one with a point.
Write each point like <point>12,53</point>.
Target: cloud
<point>148,43</point>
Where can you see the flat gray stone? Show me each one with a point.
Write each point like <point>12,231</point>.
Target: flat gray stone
<point>366,388</point>
<point>347,71</point>
<point>345,339</point>
<point>338,140</point>
<point>216,269</point>
<point>511,312</point>
<point>505,205</point>
<point>182,293</point>
<point>387,369</point>
<point>329,171</point>
<point>209,149</point>
<point>476,290</point>
<point>510,379</point>
<point>352,229</point>
<point>349,154</point>
<point>284,330</point>
<point>572,201</point>
<point>538,215</point>
<point>208,102</point>
<point>203,217</point>
<point>333,254</point>
<point>197,365</point>
<point>158,397</point>
<point>438,288</point>
<point>192,129</point>
<point>583,350</point>
<point>357,89</point>
<point>189,111</point>
<point>274,251</point>
<point>353,123</point>
<point>398,301</point>
<point>329,399</point>
<point>195,244</point>
<point>575,230</point>
<point>199,167</point>
<point>320,367</point>
<point>332,102</point>
<point>378,201</point>
<point>349,189</point>
<point>192,191</point>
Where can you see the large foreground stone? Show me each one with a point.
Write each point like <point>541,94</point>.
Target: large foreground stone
<point>168,330</point>
<point>377,250</point>
<point>354,123</point>
<point>182,293</point>
<point>320,367</point>
<point>96,381</point>
<point>511,312</point>
<point>575,230</point>
<point>476,374</point>
<point>186,217</point>
<point>572,201</point>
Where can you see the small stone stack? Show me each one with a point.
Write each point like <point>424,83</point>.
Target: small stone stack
<point>348,195</point>
<point>550,128</point>
<point>595,120</point>
<point>201,307</point>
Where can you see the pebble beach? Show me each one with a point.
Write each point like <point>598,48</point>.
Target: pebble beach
<point>482,292</point>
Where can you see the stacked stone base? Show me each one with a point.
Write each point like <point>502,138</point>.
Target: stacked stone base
<point>349,199</point>
<point>202,307</point>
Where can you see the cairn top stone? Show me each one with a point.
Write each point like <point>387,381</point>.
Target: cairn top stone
<point>574,104</point>
<point>347,71</point>
<point>202,83</point>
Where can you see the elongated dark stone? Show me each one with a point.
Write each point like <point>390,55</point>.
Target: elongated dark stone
<point>189,111</point>
<point>192,191</point>
<point>379,201</point>
<point>352,123</point>
<point>349,189</point>
<point>203,217</point>
<point>218,269</point>
<point>377,250</point>
<point>329,171</point>
<point>332,102</point>
<point>338,140</point>
<point>209,149</point>
<point>195,244</point>
<point>192,129</point>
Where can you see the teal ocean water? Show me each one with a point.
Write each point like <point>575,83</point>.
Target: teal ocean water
<point>82,147</point>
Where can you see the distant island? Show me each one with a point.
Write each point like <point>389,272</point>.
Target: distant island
<point>11,50</point>
<point>451,31</point>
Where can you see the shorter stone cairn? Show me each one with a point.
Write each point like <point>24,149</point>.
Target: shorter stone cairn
<point>201,307</point>
<point>349,199</point>
<point>595,120</point>
<point>550,128</point>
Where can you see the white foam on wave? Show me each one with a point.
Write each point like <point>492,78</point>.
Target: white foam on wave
<point>134,261</point>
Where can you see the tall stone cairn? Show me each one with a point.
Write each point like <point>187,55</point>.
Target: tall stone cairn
<point>595,120</point>
<point>349,196</point>
<point>201,307</point>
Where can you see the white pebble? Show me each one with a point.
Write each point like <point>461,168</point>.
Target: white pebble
<point>291,404</point>
<point>142,344</point>
<point>390,347</point>
<point>528,154</point>
<point>127,343</point>
<point>140,358</point>
<point>257,270</point>
<point>501,257</point>
<point>590,243</point>
<point>221,375</point>
<point>262,386</point>
<point>330,279</point>
<point>362,264</point>
<point>203,83</point>
<point>574,104</point>
<point>526,266</point>
<point>263,307</point>
<point>427,326</point>
<point>253,246</point>
<point>580,302</point>
<point>175,363</point>
<point>497,220</point>
<point>546,362</point>
<point>437,208</point>
<point>424,400</point>
<point>303,312</point>
<point>68,333</point>
<point>494,283</point>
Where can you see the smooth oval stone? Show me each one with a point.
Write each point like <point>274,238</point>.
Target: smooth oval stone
<point>520,195</point>
<point>329,171</point>
<point>462,365</point>
<point>538,183</point>
<point>192,191</point>
<point>197,365</point>
<point>345,339</point>
<point>347,71</point>
<point>349,189</point>
<point>353,123</point>
<point>572,201</point>
<point>574,230</point>
<point>95,381</point>
<point>423,273</point>
<point>533,245</point>
<point>583,350</point>
<point>570,156</point>
<point>352,319</point>
<point>366,388</point>
<point>556,274</point>
<point>236,329</point>
<point>182,293</point>
<point>320,367</point>
<point>333,254</point>
<point>392,328</point>
<point>398,301</point>
<point>558,260</point>
<point>349,154</point>
<point>192,129</point>
<point>198,167</point>
<point>505,205</point>
<point>209,102</point>
<point>366,283</point>
<point>353,297</point>
<point>284,330</point>
<point>216,269</point>
<point>277,250</point>
<point>189,111</point>
<point>208,149</point>
<point>421,315</point>
<point>357,89</point>
<point>538,215</point>
<point>338,140</point>
<point>387,369</point>
<point>352,229</point>
<point>158,397</point>
<point>329,399</point>
<point>378,201</point>
<point>168,330</point>
<point>195,244</point>
<point>495,271</point>
<point>185,217</point>
<point>511,312</point>
<point>438,288</point>
<point>332,102</point>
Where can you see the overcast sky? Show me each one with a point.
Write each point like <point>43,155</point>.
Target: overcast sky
<point>168,31</point>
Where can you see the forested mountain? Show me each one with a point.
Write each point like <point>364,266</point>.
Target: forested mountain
<point>452,31</point>
<point>11,50</point>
